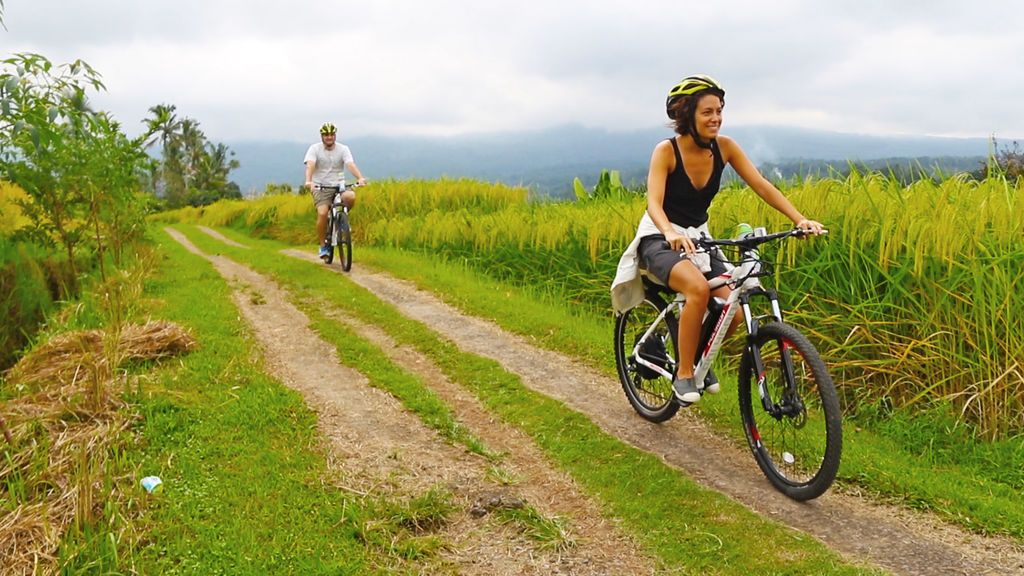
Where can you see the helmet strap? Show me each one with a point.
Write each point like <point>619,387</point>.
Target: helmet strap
<point>706,144</point>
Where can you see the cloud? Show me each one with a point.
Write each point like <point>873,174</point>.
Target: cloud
<point>263,69</point>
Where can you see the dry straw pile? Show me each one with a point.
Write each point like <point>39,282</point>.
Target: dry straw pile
<point>64,417</point>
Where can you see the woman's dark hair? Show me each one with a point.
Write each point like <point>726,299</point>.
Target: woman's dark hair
<point>683,112</point>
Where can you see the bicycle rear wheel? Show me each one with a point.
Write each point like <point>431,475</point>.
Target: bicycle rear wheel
<point>344,242</point>
<point>649,392</point>
<point>797,442</point>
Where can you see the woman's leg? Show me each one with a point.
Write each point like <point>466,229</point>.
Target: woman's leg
<point>687,280</point>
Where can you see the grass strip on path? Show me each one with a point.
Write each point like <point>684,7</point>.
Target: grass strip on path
<point>682,523</point>
<point>972,495</point>
<point>245,487</point>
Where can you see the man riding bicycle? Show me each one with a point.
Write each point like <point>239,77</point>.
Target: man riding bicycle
<point>326,162</point>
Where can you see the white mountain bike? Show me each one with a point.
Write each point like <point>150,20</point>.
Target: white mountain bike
<point>795,428</point>
<point>339,230</point>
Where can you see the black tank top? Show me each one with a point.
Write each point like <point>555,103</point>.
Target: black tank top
<point>685,205</point>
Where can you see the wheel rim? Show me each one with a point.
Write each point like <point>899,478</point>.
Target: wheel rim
<point>649,388</point>
<point>793,437</point>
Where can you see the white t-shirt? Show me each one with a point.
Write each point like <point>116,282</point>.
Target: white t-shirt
<point>329,167</point>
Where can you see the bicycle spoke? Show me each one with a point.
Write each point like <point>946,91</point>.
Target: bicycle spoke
<point>648,391</point>
<point>797,438</point>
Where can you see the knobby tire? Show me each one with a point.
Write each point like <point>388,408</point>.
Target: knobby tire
<point>345,244</point>
<point>648,392</point>
<point>798,450</point>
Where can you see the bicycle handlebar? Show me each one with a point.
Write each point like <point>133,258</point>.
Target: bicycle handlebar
<point>750,241</point>
<point>336,188</point>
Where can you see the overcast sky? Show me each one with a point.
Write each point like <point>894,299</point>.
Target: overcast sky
<point>273,69</point>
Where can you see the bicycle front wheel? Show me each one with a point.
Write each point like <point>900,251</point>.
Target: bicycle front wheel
<point>330,240</point>
<point>648,392</point>
<point>797,440</point>
<point>345,243</point>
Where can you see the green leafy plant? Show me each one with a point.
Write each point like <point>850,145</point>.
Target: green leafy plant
<point>77,167</point>
<point>609,185</point>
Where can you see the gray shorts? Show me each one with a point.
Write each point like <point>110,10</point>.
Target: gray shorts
<point>658,259</point>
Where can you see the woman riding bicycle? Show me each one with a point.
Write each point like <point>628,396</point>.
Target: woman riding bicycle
<point>684,175</point>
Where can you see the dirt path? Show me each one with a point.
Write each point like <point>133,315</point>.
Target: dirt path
<point>375,446</point>
<point>904,542</point>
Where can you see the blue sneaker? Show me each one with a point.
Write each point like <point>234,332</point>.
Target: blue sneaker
<point>325,252</point>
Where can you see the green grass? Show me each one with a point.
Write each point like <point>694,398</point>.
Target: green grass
<point>907,460</point>
<point>918,461</point>
<point>246,489</point>
<point>243,475</point>
<point>403,529</point>
<point>660,507</point>
<point>550,532</point>
<point>243,466</point>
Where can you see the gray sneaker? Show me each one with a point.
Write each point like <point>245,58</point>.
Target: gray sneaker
<point>686,391</point>
<point>711,385</point>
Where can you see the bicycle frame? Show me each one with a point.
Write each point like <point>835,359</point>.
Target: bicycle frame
<point>338,212</point>
<point>338,235</point>
<point>743,280</point>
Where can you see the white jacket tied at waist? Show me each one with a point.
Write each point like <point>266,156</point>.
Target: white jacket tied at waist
<point>628,288</point>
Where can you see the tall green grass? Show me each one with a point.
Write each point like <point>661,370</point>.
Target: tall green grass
<point>910,296</point>
<point>32,281</point>
<point>12,217</point>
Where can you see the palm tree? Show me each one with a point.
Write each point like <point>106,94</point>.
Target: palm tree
<point>193,142</point>
<point>163,127</point>
<point>220,164</point>
<point>190,163</point>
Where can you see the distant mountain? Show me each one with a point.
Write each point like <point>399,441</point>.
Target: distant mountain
<point>548,160</point>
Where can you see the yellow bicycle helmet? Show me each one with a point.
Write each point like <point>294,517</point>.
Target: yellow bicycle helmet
<point>328,128</point>
<point>692,85</point>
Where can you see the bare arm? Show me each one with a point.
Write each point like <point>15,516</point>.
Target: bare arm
<point>309,174</point>
<point>733,155</point>
<point>356,172</point>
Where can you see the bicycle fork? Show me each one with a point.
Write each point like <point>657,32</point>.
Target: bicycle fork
<point>338,222</point>
<point>788,404</point>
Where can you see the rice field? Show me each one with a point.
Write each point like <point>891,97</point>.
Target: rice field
<point>910,298</point>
